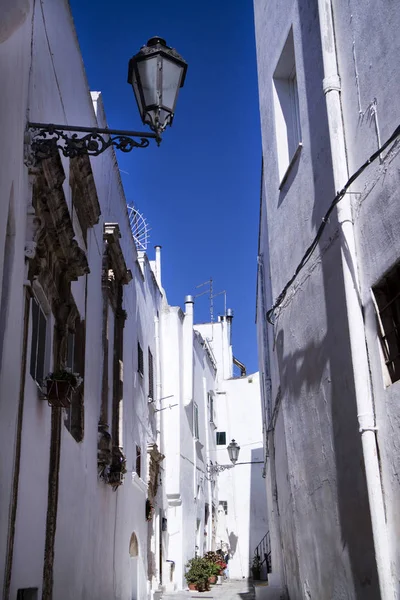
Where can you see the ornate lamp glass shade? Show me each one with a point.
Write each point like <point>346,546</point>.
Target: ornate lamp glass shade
<point>156,73</point>
<point>233,452</point>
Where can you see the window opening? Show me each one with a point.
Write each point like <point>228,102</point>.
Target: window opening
<point>151,376</point>
<point>138,460</point>
<point>38,344</point>
<point>387,298</point>
<point>140,359</point>
<point>27,594</point>
<point>286,109</point>
<point>221,438</point>
<point>211,407</point>
<point>74,414</point>
<point>224,505</point>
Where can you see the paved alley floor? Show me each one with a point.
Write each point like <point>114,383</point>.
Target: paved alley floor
<point>229,590</point>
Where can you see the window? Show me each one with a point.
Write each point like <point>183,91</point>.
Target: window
<point>138,460</point>
<point>151,376</point>
<point>140,359</point>
<point>211,407</point>
<point>387,298</point>
<point>221,438</point>
<point>196,421</point>
<point>38,346</point>
<point>74,417</point>
<point>286,108</point>
<point>27,594</point>
<point>224,505</point>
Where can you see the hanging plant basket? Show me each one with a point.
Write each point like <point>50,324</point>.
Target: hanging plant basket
<point>59,393</point>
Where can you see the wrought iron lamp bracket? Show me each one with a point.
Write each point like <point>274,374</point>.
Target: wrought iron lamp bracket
<point>214,469</point>
<point>43,140</point>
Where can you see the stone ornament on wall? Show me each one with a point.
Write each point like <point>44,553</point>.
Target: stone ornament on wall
<point>155,458</point>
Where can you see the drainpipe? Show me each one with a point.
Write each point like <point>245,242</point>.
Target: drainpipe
<point>362,382</point>
<point>188,374</point>
<point>157,399</point>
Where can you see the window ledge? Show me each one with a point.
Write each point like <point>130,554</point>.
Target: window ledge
<point>139,483</point>
<point>290,166</point>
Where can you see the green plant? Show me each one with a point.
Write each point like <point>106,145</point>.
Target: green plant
<point>214,568</point>
<point>212,557</point>
<point>65,375</point>
<point>256,564</point>
<point>198,572</point>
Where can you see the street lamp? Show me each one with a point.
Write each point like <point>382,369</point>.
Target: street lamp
<point>156,73</point>
<point>233,453</point>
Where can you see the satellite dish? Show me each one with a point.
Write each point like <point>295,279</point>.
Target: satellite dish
<point>139,228</point>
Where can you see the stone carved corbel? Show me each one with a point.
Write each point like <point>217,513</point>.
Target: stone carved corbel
<point>33,227</point>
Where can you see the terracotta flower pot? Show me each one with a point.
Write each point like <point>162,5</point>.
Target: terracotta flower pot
<point>212,579</point>
<point>192,586</point>
<point>59,393</point>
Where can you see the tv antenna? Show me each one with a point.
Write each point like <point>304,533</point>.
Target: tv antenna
<point>211,296</point>
<point>139,228</point>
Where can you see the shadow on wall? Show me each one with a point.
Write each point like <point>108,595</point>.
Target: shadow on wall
<point>258,517</point>
<point>233,542</point>
<point>326,473</point>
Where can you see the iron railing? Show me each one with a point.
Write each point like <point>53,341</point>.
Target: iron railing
<point>263,551</point>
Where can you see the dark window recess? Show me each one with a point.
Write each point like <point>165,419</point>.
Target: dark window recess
<point>140,359</point>
<point>224,505</point>
<point>27,594</point>
<point>138,461</point>
<point>387,296</point>
<point>74,418</point>
<point>38,346</point>
<point>211,407</point>
<point>221,438</point>
<point>151,376</point>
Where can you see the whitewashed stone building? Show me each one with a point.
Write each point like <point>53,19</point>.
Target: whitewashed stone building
<point>241,489</point>
<point>329,364</point>
<point>105,492</point>
<point>81,504</point>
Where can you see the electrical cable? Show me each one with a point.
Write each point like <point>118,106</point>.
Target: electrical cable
<point>339,195</point>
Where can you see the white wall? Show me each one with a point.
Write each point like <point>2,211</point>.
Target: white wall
<point>94,524</point>
<point>238,414</point>
<point>315,442</point>
<point>188,375</point>
<point>243,487</point>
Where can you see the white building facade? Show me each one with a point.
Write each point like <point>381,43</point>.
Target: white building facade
<point>329,362</point>
<point>105,491</point>
<point>241,489</point>
<point>80,495</point>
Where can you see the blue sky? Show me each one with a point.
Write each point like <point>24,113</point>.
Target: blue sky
<point>200,189</point>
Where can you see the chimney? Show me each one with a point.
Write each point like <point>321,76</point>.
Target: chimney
<point>158,265</point>
<point>229,319</point>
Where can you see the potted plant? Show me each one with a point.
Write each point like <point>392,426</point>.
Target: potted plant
<point>117,469</point>
<point>214,571</point>
<point>197,573</point>
<point>256,567</point>
<point>217,565</point>
<point>60,385</point>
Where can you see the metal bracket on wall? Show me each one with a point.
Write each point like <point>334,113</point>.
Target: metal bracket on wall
<point>43,140</point>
